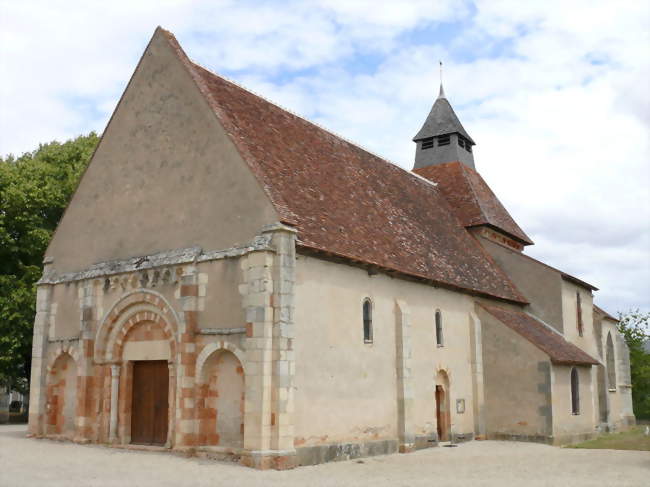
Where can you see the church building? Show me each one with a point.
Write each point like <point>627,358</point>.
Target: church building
<point>233,281</point>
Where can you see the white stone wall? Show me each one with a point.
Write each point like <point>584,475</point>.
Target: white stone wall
<point>566,425</point>
<point>348,390</point>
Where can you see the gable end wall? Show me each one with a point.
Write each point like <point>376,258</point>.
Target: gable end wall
<point>165,176</point>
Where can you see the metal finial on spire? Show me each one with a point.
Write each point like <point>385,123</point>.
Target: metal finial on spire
<point>442,90</point>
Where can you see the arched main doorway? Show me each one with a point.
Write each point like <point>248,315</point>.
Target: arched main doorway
<point>442,406</point>
<point>221,400</point>
<point>146,354</point>
<point>62,397</point>
<point>136,341</point>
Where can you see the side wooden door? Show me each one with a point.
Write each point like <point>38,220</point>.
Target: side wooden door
<point>150,404</point>
<point>440,414</point>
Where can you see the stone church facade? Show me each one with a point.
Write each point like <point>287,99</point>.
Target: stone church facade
<point>234,281</point>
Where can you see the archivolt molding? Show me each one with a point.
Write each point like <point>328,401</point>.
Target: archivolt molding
<point>134,307</point>
<point>211,348</point>
<point>133,316</point>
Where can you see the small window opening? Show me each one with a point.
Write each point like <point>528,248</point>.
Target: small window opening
<point>575,391</point>
<point>367,321</point>
<point>439,338</point>
<point>444,140</point>
<point>461,141</point>
<point>427,143</point>
<point>579,313</point>
<point>468,146</point>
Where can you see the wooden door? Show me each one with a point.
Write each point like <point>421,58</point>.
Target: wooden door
<point>150,405</point>
<point>440,413</point>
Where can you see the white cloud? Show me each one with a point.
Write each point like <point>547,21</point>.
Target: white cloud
<point>554,93</point>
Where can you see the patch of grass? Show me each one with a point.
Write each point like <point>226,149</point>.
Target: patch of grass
<point>633,439</point>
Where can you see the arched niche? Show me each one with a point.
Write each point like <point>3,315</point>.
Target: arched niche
<point>61,406</point>
<point>220,397</point>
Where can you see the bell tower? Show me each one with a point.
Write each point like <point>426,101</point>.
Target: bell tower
<point>442,138</point>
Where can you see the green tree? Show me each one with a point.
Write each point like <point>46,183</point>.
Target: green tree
<point>635,328</point>
<point>34,191</point>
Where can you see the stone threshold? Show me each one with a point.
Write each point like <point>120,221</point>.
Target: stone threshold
<point>143,447</point>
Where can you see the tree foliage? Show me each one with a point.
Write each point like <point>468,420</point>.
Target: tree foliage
<point>635,328</point>
<point>34,191</point>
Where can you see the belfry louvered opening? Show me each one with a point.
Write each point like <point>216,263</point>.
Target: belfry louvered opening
<point>427,143</point>
<point>444,140</point>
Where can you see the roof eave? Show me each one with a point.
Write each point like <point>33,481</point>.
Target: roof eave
<point>505,232</point>
<point>419,136</point>
<point>351,260</point>
<point>579,282</point>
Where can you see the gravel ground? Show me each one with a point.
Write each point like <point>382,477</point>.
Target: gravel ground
<point>28,462</point>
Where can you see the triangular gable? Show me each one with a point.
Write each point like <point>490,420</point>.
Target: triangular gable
<point>165,176</point>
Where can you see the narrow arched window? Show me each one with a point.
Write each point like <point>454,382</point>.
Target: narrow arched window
<point>610,361</point>
<point>575,391</point>
<point>367,321</point>
<point>439,338</point>
<point>579,313</point>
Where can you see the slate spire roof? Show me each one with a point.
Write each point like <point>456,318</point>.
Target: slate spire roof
<point>346,202</point>
<point>442,120</point>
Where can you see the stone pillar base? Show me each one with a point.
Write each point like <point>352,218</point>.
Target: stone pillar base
<point>277,460</point>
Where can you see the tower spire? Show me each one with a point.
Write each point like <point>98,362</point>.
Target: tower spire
<point>442,138</point>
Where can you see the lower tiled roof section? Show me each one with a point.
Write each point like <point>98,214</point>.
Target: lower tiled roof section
<point>542,336</point>
<point>472,199</point>
<point>347,201</point>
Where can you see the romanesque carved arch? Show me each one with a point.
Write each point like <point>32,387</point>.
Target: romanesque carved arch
<point>133,308</point>
<point>211,348</point>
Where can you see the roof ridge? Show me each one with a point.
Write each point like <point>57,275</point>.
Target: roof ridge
<point>315,124</point>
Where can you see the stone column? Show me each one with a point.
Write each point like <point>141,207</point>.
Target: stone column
<point>256,293</point>
<point>187,428</point>
<point>86,413</point>
<point>115,388</point>
<point>172,404</point>
<point>282,392</point>
<point>403,357</point>
<point>38,389</point>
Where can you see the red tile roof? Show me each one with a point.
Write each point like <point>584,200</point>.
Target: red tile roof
<point>346,201</point>
<point>542,336</point>
<point>472,199</point>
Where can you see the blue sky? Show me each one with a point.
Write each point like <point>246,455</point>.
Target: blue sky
<point>554,93</point>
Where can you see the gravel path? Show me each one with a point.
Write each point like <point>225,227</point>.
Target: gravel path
<point>27,462</point>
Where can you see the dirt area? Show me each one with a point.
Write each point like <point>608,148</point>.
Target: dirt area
<point>27,462</point>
